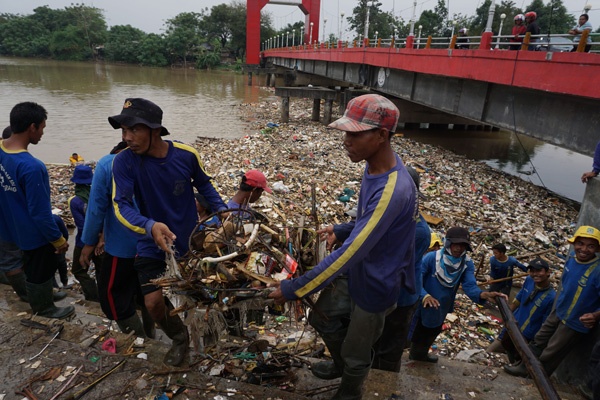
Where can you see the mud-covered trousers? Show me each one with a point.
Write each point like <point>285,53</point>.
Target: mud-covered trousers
<point>339,316</point>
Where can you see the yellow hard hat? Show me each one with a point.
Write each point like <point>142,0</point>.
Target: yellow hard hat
<point>435,238</point>
<point>587,232</point>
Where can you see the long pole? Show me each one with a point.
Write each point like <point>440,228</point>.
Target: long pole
<point>534,366</point>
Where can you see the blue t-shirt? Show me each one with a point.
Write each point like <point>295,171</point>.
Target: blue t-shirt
<point>164,192</point>
<point>378,256</point>
<point>532,312</point>
<point>579,293</point>
<point>504,269</point>
<point>100,216</point>
<point>25,211</point>
<point>586,25</point>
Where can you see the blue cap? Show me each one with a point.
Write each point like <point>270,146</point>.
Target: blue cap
<point>83,175</point>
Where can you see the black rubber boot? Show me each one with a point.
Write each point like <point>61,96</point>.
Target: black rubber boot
<point>517,370</point>
<point>17,282</point>
<point>351,387</point>
<point>421,353</point>
<point>177,331</point>
<point>330,369</point>
<point>148,323</point>
<point>89,287</point>
<point>40,300</point>
<point>58,295</point>
<point>132,323</point>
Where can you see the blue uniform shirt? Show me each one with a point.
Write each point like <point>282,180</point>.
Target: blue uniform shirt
<point>532,313</point>
<point>579,293</point>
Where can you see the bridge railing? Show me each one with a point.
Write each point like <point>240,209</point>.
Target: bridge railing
<point>553,43</point>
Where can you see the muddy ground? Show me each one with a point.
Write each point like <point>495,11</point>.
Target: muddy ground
<point>27,364</point>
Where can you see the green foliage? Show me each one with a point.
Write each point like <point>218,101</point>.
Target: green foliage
<point>68,44</point>
<point>24,38</point>
<point>379,21</point>
<point>152,51</point>
<point>183,37</point>
<point>123,43</point>
<point>435,22</point>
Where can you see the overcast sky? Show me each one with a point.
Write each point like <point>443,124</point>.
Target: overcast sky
<point>150,15</point>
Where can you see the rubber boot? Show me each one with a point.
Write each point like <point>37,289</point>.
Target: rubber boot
<point>58,295</point>
<point>330,369</point>
<point>132,323</point>
<point>148,323</point>
<point>351,387</point>
<point>419,352</point>
<point>517,370</point>
<point>178,332</point>
<point>4,279</point>
<point>17,282</point>
<point>384,365</point>
<point>40,300</point>
<point>89,287</point>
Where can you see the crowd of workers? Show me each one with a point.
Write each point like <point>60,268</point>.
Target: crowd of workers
<point>379,287</point>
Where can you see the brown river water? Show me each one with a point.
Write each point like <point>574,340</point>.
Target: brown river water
<point>79,97</point>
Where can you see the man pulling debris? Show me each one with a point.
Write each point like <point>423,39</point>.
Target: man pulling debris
<point>378,255</point>
<point>577,307</point>
<point>443,272</point>
<point>161,175</point>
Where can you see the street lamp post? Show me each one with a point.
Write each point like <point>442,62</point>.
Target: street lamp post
<point>395,36</point>
<point>419,36</point>
<point>310,34</point>
<point>341,25</point>
<point>369,4</point>
<point>293,37</point>
<point>376,34</point>
<point>302,35</point>
<point>453,23</point>
<point>287,38</point>
<point>502,16</point>
<point>587,8</point>
<point>324,24</point>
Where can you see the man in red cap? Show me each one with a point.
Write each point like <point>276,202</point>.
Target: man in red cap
<point>251,187</point>
<point>377,254</point>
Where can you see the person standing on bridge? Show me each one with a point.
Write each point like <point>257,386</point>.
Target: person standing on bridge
<point>582,26</point>
<point>518,30</point>
<point>595,166</point>
<point>532,27</point>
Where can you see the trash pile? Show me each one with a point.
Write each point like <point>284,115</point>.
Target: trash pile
<point>221,284</point>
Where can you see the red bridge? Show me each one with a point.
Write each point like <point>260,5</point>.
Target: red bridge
<point>552,96</point>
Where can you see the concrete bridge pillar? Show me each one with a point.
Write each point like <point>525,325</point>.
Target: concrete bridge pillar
<point>316,110</point>
<point>285,109</point>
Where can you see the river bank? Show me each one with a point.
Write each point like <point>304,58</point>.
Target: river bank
<point>494,206</point>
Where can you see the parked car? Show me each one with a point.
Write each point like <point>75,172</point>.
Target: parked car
<point>557,44</point>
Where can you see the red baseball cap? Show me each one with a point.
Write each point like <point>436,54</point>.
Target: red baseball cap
<point>368,112</point>
<point>257,179</point>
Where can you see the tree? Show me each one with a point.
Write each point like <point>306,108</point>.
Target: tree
<point>479,21</point>
<point>379,21</point>
<point>123,43</point>
<point>184,36</point>
<point>23,37</point>
<point>556,18</point>
<point>68,44</point>
<point>89,23</point>
<point>152,51</point>
<point>435,22</point>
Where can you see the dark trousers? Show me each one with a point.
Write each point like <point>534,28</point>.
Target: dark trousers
<point>423,337</point>
<point>594,371</point>
<point>339,317</point>
<point>553,342</point>
<point>40,264</point>
<point>118,287</point>
<point>391,344</point>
